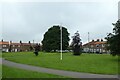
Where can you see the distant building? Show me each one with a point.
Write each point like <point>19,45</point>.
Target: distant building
<point>4,46</point>
<point>98,46</point>
<point>9,46</point>
<point>15,47</point>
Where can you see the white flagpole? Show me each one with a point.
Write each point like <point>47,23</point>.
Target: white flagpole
<point>61,43</point>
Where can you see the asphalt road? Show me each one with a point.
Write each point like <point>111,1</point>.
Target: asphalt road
<point>54,71</point>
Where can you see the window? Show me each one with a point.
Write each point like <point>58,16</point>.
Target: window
<point>97,45</point>
<point>92,46</point>
<point>3,49</point>
<point>103,45</point>
<point>13,45</point>
<point>4,45</point>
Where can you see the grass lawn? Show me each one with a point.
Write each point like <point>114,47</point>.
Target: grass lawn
<point>89,63</point>
<point>0,66</point>
<point>0,54</point>
<point>9,72</point>
<point>0,71</point>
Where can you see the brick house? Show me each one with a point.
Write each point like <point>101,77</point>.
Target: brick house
<point>95,47</point>
<point>25,47</point>
<point>15,47</point>
<point>6,46</point>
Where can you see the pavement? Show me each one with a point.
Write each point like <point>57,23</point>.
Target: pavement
<point>54,71</point>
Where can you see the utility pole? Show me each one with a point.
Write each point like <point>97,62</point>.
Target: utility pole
<point>61,42</point>
<point>88,37</point>
<point>88,42</point>
<point>33,43</point>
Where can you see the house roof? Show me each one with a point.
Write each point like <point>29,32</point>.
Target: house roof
<point>95,42</point>
<point>15,43</point>
<point>90,43</point>
<point>25,44</point>
<point>4,42</point>
<point>103,42</point>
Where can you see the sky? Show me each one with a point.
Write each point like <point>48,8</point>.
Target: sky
<point>28,21</point>
<point>119,10</point>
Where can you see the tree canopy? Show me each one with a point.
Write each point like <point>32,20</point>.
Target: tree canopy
<point>113,39</point>
<point>76,44</point>
<point>51,40</point>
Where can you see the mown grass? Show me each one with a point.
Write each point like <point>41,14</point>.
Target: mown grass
<point>0,66</point>
<point>89,63</point>
<point>10,72</point>
<point>0,71</point>
<point>0,54</point>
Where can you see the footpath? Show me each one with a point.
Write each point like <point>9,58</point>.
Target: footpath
<point>54,71</point>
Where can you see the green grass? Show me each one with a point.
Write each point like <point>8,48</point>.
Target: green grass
<point>0,55</point>
<point>9,72</point>
<point>89,63</point>
<point>0,71</point>
<point>0,66</point>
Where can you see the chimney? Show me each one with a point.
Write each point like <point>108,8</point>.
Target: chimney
<point>93,40</point>
<point>2,40</point>
<point>20,42</point>
<point>10,41</point>
<point>101,40</point>
<point>29,42</point>
<point>98,40</point>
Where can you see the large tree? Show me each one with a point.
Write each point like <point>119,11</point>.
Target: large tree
<point>52,37</point>
<point>113,39</point>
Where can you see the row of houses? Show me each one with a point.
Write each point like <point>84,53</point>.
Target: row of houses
<point>9,46</point>
<point>98,46</point>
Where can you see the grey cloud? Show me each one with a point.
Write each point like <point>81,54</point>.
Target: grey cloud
<point>28,21</point>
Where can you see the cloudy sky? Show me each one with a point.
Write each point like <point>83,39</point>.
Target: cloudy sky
<point>28,21</point>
